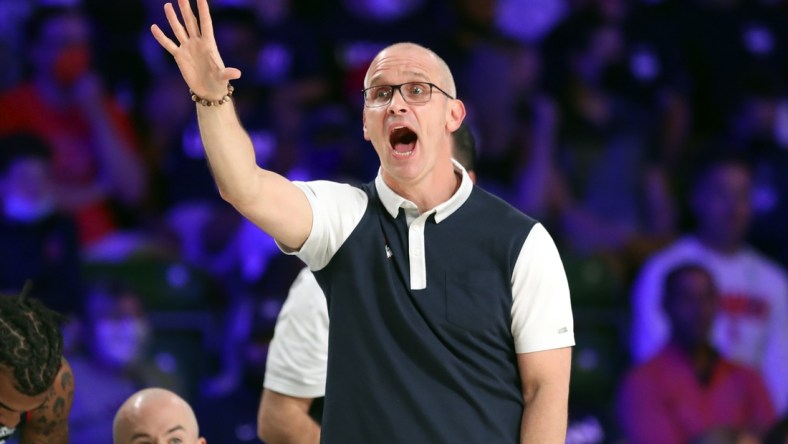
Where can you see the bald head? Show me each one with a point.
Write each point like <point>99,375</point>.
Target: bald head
<point>444,73</point>
<point>153,416</point>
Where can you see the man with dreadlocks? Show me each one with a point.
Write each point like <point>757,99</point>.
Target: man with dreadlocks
<point>36,384</point>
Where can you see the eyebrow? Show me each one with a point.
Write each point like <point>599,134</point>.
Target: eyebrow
<point>145,435</point>
<point>377,78</point>
<point>175,429</point>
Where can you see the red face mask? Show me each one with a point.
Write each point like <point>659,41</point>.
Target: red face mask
<point>72,62</point>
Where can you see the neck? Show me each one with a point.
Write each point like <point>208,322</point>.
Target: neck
<point>429,191</point>
<point>701,356</point>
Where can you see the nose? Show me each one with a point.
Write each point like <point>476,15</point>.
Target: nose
<point>397,104</point>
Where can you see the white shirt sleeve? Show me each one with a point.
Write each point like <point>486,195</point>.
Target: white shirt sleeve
<point>541,307</point>
<point>336,210</point>
<point>298,353</point>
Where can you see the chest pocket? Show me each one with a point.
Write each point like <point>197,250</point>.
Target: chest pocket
<point>473,299</point>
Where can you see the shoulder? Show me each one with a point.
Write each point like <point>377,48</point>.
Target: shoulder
<point>25,101</point>
<point>653,369</point>
<point>341,194</point>
<point>746,375</point>
<point>21,91</point>
<point>490,202</point>
<point>539,242</point>
<point>487,212</point>
<point>768,267</point>
<point>328,186</point>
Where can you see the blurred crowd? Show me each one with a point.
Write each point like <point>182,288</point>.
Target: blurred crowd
<point>649,137</point>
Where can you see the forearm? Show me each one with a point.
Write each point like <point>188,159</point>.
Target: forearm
<point>285,420</point>
<point>545,416</point>
<point>230,153</point>
<point>267,199</point>
<point>300,430</point>
<point>545,382</point>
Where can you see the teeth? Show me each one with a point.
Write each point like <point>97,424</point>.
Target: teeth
<point>403,153</point>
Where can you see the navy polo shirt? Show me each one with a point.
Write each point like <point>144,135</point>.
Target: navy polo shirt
<point>421,345</point>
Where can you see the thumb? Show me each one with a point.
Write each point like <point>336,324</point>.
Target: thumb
<point>231,74</point>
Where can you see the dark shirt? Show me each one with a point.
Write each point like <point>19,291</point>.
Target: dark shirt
<point>431,365</point>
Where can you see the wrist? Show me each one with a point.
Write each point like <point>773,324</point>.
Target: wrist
<point>206,102</point>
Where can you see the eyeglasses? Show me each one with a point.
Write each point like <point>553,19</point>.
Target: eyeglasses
<point>412,92</point>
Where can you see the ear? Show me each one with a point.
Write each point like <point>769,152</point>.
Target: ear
<point>456,113</point>
<point>201,441</point>
<point>364,122</point>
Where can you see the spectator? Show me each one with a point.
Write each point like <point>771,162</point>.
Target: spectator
<point>113,361</point>
<point>294,387</point>
<point>688,390</point>
<point>751,326</point>
<point>422,208</point>
<point>603,185</point>
<point>155,415</point>
<point>759,127</point>
<point>95,159</point>
<point>44,241</point>
<point>36,382</point>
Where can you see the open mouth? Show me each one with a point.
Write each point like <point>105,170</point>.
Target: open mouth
<point>403,140</point>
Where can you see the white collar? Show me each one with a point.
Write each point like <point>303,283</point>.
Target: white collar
<point>393,201</point>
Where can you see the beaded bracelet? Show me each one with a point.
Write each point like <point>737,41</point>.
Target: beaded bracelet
<point>205,102</point>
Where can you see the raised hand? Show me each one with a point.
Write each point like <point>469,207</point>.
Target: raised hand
<point>196,53</point>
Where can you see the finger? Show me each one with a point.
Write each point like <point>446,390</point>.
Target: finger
<point>175,24</point>
<point>206,24</point>
<point>188,18</point>
<point>163,40</point>
<point>230,74</point>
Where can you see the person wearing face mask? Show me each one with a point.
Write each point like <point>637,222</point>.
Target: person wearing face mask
<point>113,360</point>
<point>41,242</point>
<point>95,156</point>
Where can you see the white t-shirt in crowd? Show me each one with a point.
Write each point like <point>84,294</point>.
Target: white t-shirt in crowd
<point>752,324</point>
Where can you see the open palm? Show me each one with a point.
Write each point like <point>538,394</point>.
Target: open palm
<point>196,53</point>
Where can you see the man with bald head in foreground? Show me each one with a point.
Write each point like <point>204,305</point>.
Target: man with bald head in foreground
<point>450,311</point>
<point>154,416</point>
